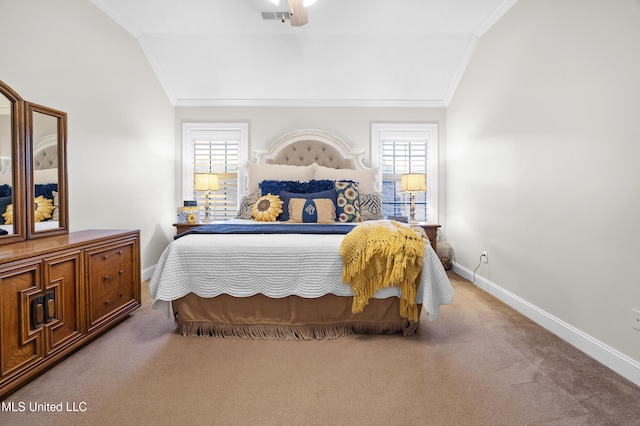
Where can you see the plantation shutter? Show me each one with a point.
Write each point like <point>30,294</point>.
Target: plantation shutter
<point>402,152</point>
<point>218,152</point>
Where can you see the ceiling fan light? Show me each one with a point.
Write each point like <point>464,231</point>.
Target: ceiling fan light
<point>306,3</point>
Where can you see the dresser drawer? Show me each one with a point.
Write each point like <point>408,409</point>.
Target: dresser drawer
<point>106,303</point>
<point>109,259</point>
<point>112,282</point>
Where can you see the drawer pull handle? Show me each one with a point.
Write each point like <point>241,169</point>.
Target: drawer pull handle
<point>106,302</point>
<point>106,277</point>
<point>120,252</point>
<point>121,271</point>
<point>50,309</point>
<point>121,295</point>
<point>105,257</point>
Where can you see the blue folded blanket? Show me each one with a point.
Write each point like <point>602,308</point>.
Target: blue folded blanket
<point>275,228</point>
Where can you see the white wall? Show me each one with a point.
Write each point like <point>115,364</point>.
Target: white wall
<point>69,56</point>
<point>542,148</point>
<point>352,125</point>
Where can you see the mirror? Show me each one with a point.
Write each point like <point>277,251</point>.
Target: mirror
<point>33,170</point>
<point>12,224</point>
<point>46,171</point>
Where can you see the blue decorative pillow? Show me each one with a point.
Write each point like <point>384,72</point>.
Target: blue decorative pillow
<point>286,196</point>
<point>5,190</point>
<point>347,202</point>
<point>275,187</point>
<point>46,190</point>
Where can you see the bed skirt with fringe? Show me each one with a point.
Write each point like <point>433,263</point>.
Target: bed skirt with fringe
<point>288,318</point>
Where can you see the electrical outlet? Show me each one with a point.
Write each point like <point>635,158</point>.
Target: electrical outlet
<point>636,319</point>
<point>485,257</point>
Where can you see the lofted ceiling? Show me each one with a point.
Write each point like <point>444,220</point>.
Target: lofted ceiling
<point>351,52</point>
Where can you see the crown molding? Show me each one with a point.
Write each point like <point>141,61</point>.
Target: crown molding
<point>157,70</point>
<point>120,20</point>
<point>494,17</point>
<point>376,103</point>
<point>462,66</point>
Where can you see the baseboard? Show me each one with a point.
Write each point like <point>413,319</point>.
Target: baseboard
<point>146,273</point>
<point>618,362</point>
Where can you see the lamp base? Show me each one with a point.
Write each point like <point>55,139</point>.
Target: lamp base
<point>412,212</point>
<point>207,217</point>
<point>207,211</point>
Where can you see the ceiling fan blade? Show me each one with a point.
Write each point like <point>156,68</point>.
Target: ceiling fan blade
<point>298,13</point>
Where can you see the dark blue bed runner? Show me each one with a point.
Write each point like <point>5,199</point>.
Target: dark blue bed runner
<point>276,228</point>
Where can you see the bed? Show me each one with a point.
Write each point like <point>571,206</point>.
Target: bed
<point>284,280</point>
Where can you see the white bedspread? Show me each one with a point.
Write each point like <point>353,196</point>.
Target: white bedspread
<point>276,265</point>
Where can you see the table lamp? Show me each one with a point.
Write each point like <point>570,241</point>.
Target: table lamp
<point>412,183</point>
<point>206,182</point>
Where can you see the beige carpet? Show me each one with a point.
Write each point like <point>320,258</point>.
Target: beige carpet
<point>479,363</point>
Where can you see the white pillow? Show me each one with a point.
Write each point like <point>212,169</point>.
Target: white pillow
<point>366,178</point>
<point>256,173</point>
<point>45,176</point>
<point>39,177</point>
<point>6,178</point>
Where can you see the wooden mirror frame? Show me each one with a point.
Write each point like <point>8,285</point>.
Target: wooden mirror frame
<point>17,164</point>
<point>63,207</point>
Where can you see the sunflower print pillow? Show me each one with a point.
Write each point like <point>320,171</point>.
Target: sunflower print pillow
<point>267,208</point>
<point>347,201</point>
<point>43,207</point>
<point>8,215</point>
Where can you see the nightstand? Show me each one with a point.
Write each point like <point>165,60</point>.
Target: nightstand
<point>184,227</point>
<point>431,229</point>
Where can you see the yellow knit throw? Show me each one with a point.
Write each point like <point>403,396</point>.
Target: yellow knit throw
<point>383,254</point>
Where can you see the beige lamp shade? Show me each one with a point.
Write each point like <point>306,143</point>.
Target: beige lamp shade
<point>414,182</point>
<point>206,182</point>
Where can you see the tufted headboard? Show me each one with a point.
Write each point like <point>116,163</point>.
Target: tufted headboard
<point>310,155</point>
<point>45,152</point>
<point>45,155</point>
<point>307,146</point>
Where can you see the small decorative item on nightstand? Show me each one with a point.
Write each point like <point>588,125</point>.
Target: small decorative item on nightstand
<point>189,212</point>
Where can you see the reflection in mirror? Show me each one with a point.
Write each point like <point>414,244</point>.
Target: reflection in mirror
<point>45,171</point>
<point>11,185</point>
<point>6,173</point>
<point>47,129</point>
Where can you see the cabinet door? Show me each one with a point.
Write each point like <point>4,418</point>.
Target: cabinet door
<point>21,332</point>
<point>62,279</point>
<point>111,281</point>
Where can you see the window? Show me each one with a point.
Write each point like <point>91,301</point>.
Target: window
<point>219,148</point>
<point>397,149</point>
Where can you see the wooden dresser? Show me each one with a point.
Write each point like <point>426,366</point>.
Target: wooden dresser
<point>57,293</point>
